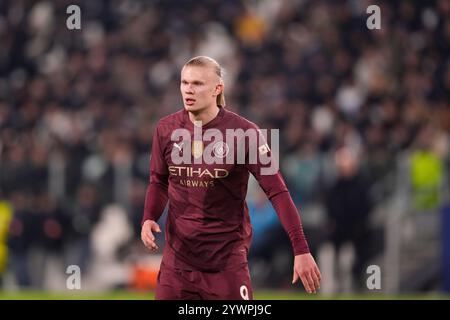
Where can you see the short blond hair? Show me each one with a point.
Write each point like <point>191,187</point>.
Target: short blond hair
<point>204,61</point>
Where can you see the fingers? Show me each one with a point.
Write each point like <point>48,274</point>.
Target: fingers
<point>155,227</point>
<point>306,268</point>
<point>294,277</point>
<point>310,279</point>
<point>149,242</point>
<point>308,282</point>
<point>147,236</point>
<point>318,277</point>
<point>315,280</point>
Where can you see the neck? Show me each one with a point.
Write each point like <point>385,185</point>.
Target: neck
<point>205,115</point>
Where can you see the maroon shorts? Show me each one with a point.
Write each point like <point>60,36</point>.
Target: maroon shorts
<point>177,284</point>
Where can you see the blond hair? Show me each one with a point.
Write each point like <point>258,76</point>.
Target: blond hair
<point>204,61</point>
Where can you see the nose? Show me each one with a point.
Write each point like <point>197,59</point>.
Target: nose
<point>188,89</point>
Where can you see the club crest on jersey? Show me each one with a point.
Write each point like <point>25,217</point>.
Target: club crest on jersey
<point>197,148</point>
<point>221,149</point>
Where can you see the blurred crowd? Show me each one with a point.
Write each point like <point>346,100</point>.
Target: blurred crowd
<point>78,107</point>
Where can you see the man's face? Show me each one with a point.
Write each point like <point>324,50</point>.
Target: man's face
<point>199,88</point>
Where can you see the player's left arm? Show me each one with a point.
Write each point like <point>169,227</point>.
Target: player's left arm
<point>305,266</point>
<point>276,190</point>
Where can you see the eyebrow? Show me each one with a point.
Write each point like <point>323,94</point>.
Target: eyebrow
<point>193,82</point>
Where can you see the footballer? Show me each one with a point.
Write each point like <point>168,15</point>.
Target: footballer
<point>208,229</point>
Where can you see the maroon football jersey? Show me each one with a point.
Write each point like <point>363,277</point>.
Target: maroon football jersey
<point>208,225</point>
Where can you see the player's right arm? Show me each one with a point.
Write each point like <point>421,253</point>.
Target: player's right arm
<point>157,193</point>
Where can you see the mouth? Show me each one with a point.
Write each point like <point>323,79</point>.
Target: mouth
<point>189,101</point>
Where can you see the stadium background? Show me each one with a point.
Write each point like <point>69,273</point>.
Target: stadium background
<point>364,118</point>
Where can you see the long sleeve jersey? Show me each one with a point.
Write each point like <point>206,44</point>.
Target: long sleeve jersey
<point>208,225</point>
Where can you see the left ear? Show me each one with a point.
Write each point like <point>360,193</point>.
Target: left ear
<point>219,89</point>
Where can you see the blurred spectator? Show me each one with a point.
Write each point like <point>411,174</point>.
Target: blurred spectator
<point>427,170</point>
<point>23,234</point>
<point>348,207</point>
<point>5,219</point>
<point>52,223</point>
<point>303,173</point>
<point>108,271</point>
<point>84,217</point>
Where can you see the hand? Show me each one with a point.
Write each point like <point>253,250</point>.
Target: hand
<point>147,236</point>
<point>306,268</point>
